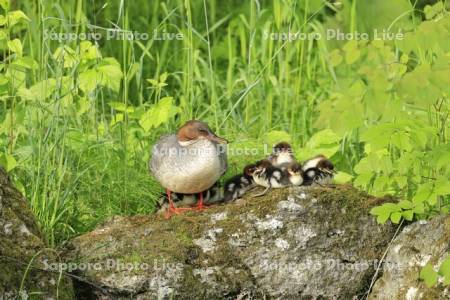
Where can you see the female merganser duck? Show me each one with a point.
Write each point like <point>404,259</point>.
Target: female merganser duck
<point>188,162</point>
<point>238,185</point>
<point>318,170</point>
<point>281,154</point>
<point>269,176</point>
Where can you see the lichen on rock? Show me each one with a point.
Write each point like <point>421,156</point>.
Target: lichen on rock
<point>300,242</point>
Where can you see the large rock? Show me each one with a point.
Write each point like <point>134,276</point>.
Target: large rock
<point>418,244</point>
<point>21,243</point>
<point>293,243</point>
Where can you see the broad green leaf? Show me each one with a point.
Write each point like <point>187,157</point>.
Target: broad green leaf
<point>40,91</point>
<point>8,162</point>
<point>342,177</point>
<point>66,55</point>
<point>158,114</point>
<point>88,81</point>
<point>395,217</point>
<point>16,16</point>
<point>423,192</point>
<point>444,269</point>
<point>442,186</point>
<point>408,215</point>
<point>110,73</point>
<point>405,204</point>
<point>4,4</point>
<point>276,136</point>
<point>89,51</point>
<point>15,46</point>
<point>428,275</point>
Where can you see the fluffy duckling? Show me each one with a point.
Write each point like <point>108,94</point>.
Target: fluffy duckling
<point>318,170</point>
<point>281,154</point>
<point>238,185</point>
<point>269,176</point>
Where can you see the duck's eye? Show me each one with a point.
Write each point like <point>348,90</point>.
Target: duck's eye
<point>202,130</point>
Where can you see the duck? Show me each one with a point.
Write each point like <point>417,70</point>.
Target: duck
<point>269,176</point>
<point>318,169</point>
<point>238,185</point>
<point>282,154</point>
<point>188,162</point>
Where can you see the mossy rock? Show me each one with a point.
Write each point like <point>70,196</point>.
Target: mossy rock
<point>420,243</point>
<point>303,242</point>
<point>22,244</point>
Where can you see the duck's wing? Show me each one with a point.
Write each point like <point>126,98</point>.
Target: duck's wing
<point>160,151</point>
<point>223,158</point>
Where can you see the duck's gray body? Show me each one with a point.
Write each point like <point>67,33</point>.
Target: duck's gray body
<point>187,169</point>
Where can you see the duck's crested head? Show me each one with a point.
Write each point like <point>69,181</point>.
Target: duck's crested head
<point>282,147</point>
<point>194,130</point>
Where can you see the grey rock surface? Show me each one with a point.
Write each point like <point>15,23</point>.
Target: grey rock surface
<point>294,243</point>
<point>418,244</point>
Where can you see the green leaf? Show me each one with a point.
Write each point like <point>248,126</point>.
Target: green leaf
<point>405,204</point>
<point>428,275</point>
<point>444,269</point>
<point>40,91</point>
<point>419,208</point>
<point>16,16</point>
<point>442,186</point>
<point>8,162</point>
<point>110,73</point>
<point>342,177</point>
<point>276,136</point>
<point>66,55</point>
<point>408,215</point>
<point>4,4</point>
<point>15,46</point>
<point>88,81</point>
<point>158,114</point>
<point>89,51</point>
<point>381,219</point>
<point>395,217</point>
<point>423,193</point>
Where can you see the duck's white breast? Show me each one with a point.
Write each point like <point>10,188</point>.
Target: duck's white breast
<point>187,169</point>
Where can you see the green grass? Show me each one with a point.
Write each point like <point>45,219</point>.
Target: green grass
<point>81,157</point>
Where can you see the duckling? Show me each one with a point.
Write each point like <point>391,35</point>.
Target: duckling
<point>238,185</point>
<point>281,154</point>
<point>188,162</point>
<point>269,176</point>
<point>318,170</point>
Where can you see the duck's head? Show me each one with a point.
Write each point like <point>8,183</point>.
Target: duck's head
<point>294,169</point>
<point>249,170</point>
<point>261,166</point>
<point>194,130</point>
<point>281,153</point>
<point>282,147</point>
<point>325,165</point>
